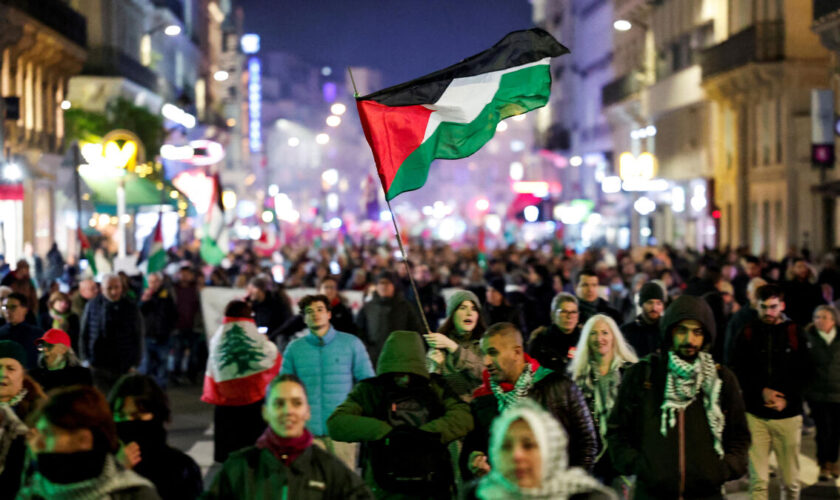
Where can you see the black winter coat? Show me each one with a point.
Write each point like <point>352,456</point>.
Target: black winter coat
<point>644,337</point>
<point>600,306</point>
<point>159,316</point>
<point>766,358</point>
<point>271,314</point>
<point>562,398</point>
<point>636,445</point>
<point>379,317</point>
<point>553,348</point>
<point>111,336</point>
<point>824,384</point>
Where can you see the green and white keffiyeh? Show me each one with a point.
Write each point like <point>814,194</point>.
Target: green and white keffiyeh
<point>683,381</point>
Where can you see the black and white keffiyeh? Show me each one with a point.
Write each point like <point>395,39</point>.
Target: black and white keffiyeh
<point>520,389</point>
<point>683,381</point>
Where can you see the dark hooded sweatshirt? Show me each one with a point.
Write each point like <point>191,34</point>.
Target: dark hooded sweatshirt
<point>684,461</point>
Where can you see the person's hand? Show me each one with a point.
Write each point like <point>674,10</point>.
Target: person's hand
<point>774,399</point>
<point>440,341</point>
<point>147,295</point>
<point>129,455</point>
<point>478,464</point>
<point>437,356</point>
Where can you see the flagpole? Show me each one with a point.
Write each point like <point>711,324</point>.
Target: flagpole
<point>407,268</point>
<point>353,80</point>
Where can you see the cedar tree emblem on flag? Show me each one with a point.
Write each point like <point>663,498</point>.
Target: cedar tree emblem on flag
<point>453,112</point>
<point>239,349</point>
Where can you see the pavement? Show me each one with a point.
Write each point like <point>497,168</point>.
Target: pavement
<point>191,431</point>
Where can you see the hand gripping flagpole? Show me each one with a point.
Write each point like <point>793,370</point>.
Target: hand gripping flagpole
<point>399,237</point>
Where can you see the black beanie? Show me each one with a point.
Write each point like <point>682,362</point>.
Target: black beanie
<point>649,291</point>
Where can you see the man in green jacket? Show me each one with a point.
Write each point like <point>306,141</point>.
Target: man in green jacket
<point>405,417</point>
<point>284,464</point>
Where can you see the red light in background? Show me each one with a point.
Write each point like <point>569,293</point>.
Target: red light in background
<point>716,214</point>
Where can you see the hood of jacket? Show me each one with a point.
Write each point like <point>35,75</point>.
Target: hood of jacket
<point>688,307</point>
<point>403,352</point>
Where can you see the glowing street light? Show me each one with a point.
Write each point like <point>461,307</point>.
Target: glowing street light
<point>333,121</point>
<point>172,30</point>
<point>293,142</point>
<point>338,109</point>
<point>322,138</point>
<point>221,75</point>
<point>65,105</point>
<point>622,25</point>
<point>12,172</point>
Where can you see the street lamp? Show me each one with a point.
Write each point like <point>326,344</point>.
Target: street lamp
<point>622,25</point>
<point>169,29</point>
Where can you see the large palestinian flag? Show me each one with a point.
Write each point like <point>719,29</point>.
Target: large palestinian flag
<point>453,112</point>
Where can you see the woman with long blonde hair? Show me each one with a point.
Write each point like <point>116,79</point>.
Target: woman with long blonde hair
<point>601,356</point>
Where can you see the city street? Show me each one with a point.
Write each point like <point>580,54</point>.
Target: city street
<point>192,432</point>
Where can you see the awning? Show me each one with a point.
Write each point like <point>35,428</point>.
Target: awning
<point>139,191</point>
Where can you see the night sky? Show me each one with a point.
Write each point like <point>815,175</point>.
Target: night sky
<point>404,39</point>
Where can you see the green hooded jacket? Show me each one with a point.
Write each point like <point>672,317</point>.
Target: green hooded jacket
<point>354,419</point>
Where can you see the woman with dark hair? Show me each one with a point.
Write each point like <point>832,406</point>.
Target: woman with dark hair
<point>241,362</point>
<point>73,443</point>
<point>141,411</point>
<point>454,352</point>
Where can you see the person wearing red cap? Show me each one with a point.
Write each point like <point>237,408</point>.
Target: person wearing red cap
<point>58,365</point>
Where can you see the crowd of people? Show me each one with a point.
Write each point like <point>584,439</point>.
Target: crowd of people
<point>522,373</point>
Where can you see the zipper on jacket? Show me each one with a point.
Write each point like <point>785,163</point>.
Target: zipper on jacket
<point>681,420</point>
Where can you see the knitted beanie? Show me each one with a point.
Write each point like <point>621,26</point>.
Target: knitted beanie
<point>459,296</point>
<point>650,291</point>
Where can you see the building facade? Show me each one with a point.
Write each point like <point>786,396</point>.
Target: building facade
<point>42,45</point>
<point>760,75</point>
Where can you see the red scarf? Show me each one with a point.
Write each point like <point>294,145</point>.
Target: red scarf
<point>485,389</point>
<point>284,449</point>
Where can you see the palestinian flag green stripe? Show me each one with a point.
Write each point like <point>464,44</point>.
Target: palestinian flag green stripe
<point>457,140</point>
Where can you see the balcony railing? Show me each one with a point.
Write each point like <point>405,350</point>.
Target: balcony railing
<point>823,8</point>
<point>175,6</point>
<point>54,14</point>
<point>621,88</point>
<point>108,61</point>
<point>762,42</point>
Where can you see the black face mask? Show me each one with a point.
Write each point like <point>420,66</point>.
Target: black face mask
<point>64,468</point>
<point>149,434</point>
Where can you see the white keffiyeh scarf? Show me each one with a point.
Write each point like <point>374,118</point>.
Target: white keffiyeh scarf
<point>683,381</point>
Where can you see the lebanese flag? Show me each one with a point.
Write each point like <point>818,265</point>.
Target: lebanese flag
<point>240,364</point>
<point>453,112</point>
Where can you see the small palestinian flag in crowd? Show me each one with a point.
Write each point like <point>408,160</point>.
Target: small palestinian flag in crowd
<point>240,364</point>
<point>86,251</point>
<point>453,112</point>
